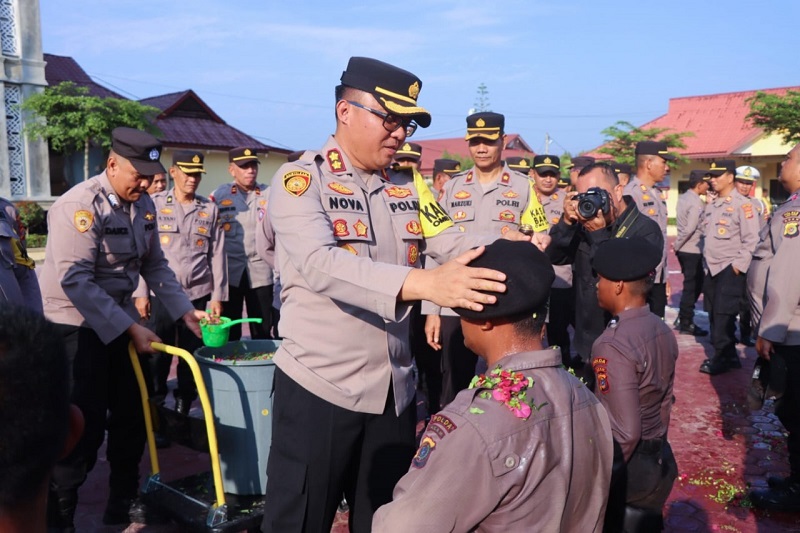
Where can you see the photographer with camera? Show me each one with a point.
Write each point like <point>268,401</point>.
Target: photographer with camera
<point>594,213</point>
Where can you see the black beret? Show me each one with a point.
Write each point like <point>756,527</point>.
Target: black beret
<point>518,163</point>
<point>626,259</point>
<point>394,88</point>
<point>140,148</point>
<point>448,166</point>
<point>243,155</point>
<point>581,161</point>
<point>190,161</point>
<point>411,151</point>
<point>486,124</point>
<point>529,275</point>
<point>721,166</point>
<point>654,148</point>
<point>547,163</point>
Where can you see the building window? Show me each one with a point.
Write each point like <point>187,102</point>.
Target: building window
<point>8,28</point>
<point>13,99</point>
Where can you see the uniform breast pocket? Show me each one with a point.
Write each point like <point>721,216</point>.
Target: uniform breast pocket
<point>722,231</point>
<point>462,214</point>
<point>200,236</point>
<point>117,249</point>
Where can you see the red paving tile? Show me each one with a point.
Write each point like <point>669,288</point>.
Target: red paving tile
<point>720,445</point>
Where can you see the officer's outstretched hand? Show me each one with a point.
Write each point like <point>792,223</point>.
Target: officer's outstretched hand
<point>192,320</point>
<point>142,337</point>
<point>433,331</point>
<point>454,284</point>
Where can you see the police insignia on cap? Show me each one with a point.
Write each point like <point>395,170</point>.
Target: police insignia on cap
<point>406,147</point>
<point>153,154</point>
<point>398,192</point>
<point>196,159</point>
<point>480,123</point>
<point>338,187</point>
<point>548,161</point>
<point>296,182</point>
<point>247,151</point>
<point>83,220</point>
<point>413,90</point>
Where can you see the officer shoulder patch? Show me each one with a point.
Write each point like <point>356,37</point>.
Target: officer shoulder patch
<point>296,182</point>
<point>600,366</point>
<point>790,230</point>
<point>83,220</point>
<point>426,447</point>
<point>335,161</point>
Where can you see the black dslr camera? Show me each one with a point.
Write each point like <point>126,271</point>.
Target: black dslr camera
<point>592,201</point>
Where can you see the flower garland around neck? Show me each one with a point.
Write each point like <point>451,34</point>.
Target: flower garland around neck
<point>507,387</point>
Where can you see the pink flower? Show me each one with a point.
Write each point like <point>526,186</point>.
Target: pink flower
<point>523,411</point>
<point>501,395</point>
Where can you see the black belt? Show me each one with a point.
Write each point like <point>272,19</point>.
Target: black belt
<point>650,446</point>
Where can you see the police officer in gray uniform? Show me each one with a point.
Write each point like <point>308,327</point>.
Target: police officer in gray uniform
<point>561,311</point>
<point>634,364</point>
<point>18,283</point>
<point>409,155</point>
<point>348,237</point>
<point>688,247</point>
<point>488,198</point>
<point>192,239</point>
<point>521,438</point>
<point>730,232</point>
<point>652,159</point>
<point>242,206</point>
<point>772,281</point>
<point>102,237</point>
<point>747,176</point>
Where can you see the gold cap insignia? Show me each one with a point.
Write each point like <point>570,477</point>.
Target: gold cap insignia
<point>547,161</point>
<point>247,152</point>
<point>413,90</point>
<point>196,158</point>
<point>458,166</point>
<point>748,172</point>
<point>713,166</point>
<point>480,123</point>
<point>407,147</point>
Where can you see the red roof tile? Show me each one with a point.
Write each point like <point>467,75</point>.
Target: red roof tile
<point>62,68</point>
<point>717,120</point>
<point>434,148</point>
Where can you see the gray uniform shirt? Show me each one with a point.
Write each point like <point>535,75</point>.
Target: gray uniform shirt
<point>240,214</point>
<point>345,241</point>
<point>772,279</point>
<point>97,247</point>
<point>481,468</point>
<point>554,209</point>
<point>730,233</point>
<point>193,240</point>
<point>634,363</point>
<point>690,214</point>
<point>651,202</point>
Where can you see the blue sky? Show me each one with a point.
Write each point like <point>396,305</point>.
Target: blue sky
<point>568,68</point>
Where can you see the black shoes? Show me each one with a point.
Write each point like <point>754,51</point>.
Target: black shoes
<point>783,497</point>
<point>692,329</point>
<point>713,368</point>
<point>129,511</point>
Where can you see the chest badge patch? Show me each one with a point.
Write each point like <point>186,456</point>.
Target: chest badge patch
<point>462,195</point>
<point>149,216</point>
<point>349,248</point>
<point>202,214</point>
<point>165,239</point>
<point>459,215</point>
<point>361,228</point>
<point>199,242</point>
<point>721,231</point>
<point>398,192</point>
<point>83,220</point>
<point>507,215</point>
<point>296,182</point>
<point>426,447</point>
<point>202,230</point>
<point>414,227</point>
<point>748,210</point>
<point>510,194</point>
<point>413,254</point>
<point>651,211</point>
<point>335,160</point>
<point>338,187</point>
<point>166,211</point>
<point>340,228</point>
<point>226,202</point>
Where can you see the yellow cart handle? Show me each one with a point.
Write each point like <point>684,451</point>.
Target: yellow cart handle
<point>216,470</point>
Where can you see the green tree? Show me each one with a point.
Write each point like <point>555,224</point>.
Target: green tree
<point>482,101</point>
<point>465,162</point>
<point>621,139</point>
<point>71,120</point>
<point>777,114</point>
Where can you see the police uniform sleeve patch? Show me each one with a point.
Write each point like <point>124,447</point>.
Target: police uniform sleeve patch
<point>600,367</point>
<point>83,220</point>
<point>790,230</point>
<point>426,447</point>
<point>296,182</point>
<point>748,210</point>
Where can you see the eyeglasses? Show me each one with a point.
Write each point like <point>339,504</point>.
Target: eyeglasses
<point>391,122</point>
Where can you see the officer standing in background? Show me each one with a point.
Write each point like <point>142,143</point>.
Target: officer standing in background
<point>408,155</point>
<point>688,247</point>
<point>102,237</point>
<point>18,282</point>
<point>773,280</point>
<point>634,364</point>
<point>520,164</point>
<point>730,232</point>
<point>193,243</point>
<point>242,206</point>
<point>529,435</point>
<point>652,165</point>
<point>561,312</point>
<point>744,180</point>
<point>348,238</point>
<point>576,165</point>
<point>443,171</point>
<point>158,184</point>
<point>488,198</point>
<point>623,171</point>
